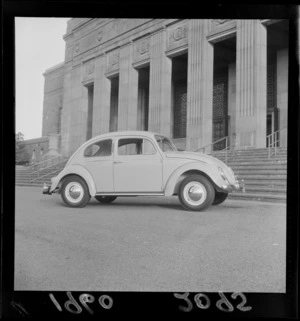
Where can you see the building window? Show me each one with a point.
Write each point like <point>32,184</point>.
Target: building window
<point>114,102</point>
<point>89,130</point>
<point>179,95</point>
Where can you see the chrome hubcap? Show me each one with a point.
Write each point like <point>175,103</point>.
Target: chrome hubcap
<point>74,192</point>
<point>194,193</point>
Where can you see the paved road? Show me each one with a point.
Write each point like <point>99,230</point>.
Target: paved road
<point>148,244</point>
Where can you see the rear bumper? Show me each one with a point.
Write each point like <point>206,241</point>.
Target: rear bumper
<point>46,189</point>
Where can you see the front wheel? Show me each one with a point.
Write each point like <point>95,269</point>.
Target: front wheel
<point>75,192</point>
<point>196,193</point>
<point>220,197</point>
<point>105,199</point>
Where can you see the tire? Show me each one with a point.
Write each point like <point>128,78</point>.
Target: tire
<point>196,193</point>
<point>105,199</point>
<point>219,198</point>
<point>75,192</point>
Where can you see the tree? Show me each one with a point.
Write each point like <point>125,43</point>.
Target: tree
<point>22,155</point>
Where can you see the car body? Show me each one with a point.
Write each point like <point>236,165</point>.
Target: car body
<point>133,163</point>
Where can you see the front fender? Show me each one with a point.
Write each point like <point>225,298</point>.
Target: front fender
<point>75,170</point>
<point>210,170</point>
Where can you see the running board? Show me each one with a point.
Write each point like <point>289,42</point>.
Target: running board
<point>130,194</point>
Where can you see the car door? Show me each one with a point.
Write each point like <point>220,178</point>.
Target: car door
<point>137,166</point>
<point>98,160</point>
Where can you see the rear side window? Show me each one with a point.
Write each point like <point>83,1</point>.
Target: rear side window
<point>99,149</point>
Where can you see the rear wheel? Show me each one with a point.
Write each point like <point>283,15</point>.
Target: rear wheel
<point>220,197</point>
<point>196,193</point>
<point>105,199</point>
<point>75,192</point>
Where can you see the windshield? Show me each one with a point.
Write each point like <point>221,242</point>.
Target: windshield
<point>165,144</point>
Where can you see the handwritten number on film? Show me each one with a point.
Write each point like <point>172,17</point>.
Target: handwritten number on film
<point>73,306</point>
<point>203,302</point>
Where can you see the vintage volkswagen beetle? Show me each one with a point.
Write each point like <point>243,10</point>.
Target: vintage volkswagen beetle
<point>137,163</point>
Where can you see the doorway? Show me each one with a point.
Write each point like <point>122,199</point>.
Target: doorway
<point>143,98</point>
<point>179,95</point>
<point>114,102</point>
<point>224,61</point>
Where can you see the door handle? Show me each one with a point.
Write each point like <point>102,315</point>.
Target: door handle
<point>117,162</point>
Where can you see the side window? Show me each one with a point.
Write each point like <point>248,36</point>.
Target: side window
<point>130,146</point>
<point>99,149</point>
<point>135,146</point>
<point>148,148</point>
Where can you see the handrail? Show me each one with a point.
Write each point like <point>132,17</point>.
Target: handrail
<point>40,169</point>
<point>39,177</point>
<point>44,161</point>
<point>63,161</point>
<point>272,143</point>
<point>273,140</point>
<point>217,141</point>
<point>226,138</point>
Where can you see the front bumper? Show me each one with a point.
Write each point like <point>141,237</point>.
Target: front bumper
<point>238,186</point>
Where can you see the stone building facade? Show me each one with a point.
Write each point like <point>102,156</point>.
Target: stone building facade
<point>37,148</point>
<point>195,81</point>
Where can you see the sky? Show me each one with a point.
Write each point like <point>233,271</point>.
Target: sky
<point>39,45</point>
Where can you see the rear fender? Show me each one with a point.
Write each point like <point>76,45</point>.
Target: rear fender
<point>74,170</point>
<point>202,168</point>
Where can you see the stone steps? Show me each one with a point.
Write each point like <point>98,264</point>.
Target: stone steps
<point>258,197</point>
<point>32,184</point>
<point>268,184</point>
<point>264,177</point>
<point>28,177</point>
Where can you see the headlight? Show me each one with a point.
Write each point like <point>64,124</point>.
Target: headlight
<point>222,174</point>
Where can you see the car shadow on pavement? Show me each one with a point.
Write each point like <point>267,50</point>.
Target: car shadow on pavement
<point>133,202</point>
<point>121,203</point>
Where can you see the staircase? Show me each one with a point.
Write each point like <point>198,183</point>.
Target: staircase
<point>35,176</point>
<point>265,178</point>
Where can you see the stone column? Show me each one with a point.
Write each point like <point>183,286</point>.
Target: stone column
<point>101,109</point>
<point>53,145</point>
<point>200,85</point>
<point>128,90</point>
<point>160,85</point>
<point>53,151</point>
<point>251,84</point>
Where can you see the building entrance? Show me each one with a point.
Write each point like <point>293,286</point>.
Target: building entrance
<point>179,97</point>
<point>143,99</point>
<point>90,96</point>
<point>277,55</point>
<point>114,102</point>
<point>224,61</point>
<point>220,110</point>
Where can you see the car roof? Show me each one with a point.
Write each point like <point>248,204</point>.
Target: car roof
<point>118,134</point>
<point>125,133</point>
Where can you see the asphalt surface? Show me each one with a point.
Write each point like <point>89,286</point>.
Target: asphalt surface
<point>148,244</point>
